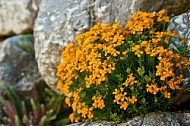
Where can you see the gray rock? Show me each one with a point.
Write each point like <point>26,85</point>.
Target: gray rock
<point>173,7</point>
<point>59,21</point>
<point>96,123</point>
<point>49,38</point>
<point>150,119</point>
<point>162,119</point>
<point>185,118</point>
<point>17,63</point>
<point>17,16</point>
<point>136,121</point>
<point>181,25</point>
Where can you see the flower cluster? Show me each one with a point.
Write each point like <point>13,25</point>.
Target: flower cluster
<point>142,20</point>
<point>112,71</point>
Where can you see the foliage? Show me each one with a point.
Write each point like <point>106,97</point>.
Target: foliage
<point>40,110</point>
<point>27,43</point>
<point>114,73</point>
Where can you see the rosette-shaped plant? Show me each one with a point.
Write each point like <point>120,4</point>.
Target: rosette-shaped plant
<point>114,73</point>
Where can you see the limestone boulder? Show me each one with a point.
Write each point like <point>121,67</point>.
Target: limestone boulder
<point>59,21</point>
<point>18,67</point>
<point>181,25</point>
<point>150,119</point>
<point>173,7</point>
<point>17,16</point>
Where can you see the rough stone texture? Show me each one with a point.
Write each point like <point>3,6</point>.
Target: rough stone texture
<point>59,21</point>
<point>136,121</point>
<point>17,63</point>
<point>49,38</point>
<point>96,123</point>
<point>185,117</point>
<point>162,119</point>
<point>151,119</point>
<point>17,16</point>
<point>1,110</point>
<point>173,7</point>
<point>181,25</point>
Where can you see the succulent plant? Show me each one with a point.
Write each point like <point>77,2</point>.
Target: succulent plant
<point>39,110</point>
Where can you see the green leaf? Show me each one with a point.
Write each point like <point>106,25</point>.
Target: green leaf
<point>14,98</point>
<point>17,121</point>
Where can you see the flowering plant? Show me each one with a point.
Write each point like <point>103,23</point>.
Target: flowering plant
<point>113,72</point>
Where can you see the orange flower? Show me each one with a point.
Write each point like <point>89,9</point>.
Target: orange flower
<point>144,44</point>
<point>63,87</point>
<point>124,52</point>
<point>90,115</point>
<point>155,41</point>
<point>124,105</point>
<point>166,18</point>
<point>67,101</point>
<point>73,118</point>
<point>151,32</point>
<point>116,91</point>
<point>162,88</point>
<point>162,16</point>
<point>84,111</point>
<point>117,98</point>
<point>167,94</point>
<point>152,89</point>
<point>120,96</point>
<point>137,50</point>
<point>161,12</point>
<point>133,99</point>
<point>98,102</point>
<point>130,80</point>
<point>148,49</point>
<point>140,21</point>
<point>175,84</point>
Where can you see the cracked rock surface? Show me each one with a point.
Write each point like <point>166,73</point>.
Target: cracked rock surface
<point>59,21</point>
<point>17,63</point>
<point>17,16</point>
<point>150,119</point>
